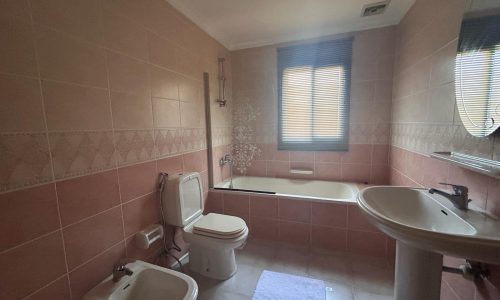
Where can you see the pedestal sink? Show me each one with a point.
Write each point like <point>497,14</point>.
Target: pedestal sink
<point>427,227</point>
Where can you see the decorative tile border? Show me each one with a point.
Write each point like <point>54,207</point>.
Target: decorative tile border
<point>168,142</point>
<point>427,138</point>
<point>81,153</point>
<point>133,146</point>
<point>25,160</point>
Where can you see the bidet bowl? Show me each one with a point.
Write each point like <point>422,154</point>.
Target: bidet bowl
<point>148,282</point>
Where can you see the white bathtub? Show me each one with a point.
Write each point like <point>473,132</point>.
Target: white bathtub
<point>313,189</point>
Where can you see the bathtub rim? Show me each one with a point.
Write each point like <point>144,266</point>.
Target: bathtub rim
<point>353,185</point>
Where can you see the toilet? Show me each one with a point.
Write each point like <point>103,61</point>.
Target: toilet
<point>212,237</point>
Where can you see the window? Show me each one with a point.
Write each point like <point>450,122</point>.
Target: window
<point>313,96</point>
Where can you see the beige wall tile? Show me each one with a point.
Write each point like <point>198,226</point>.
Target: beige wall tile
<point>20,100</point>
<point>131,111</point>
<point>190,90</point>
<point>125,35</point>
<point>164,84</point>
<point>73,107</point>
<point>17,54</point>
<point>162,52</point>
<point>127,74</point>
<point>190,115</point>
<point>166,113</point>
<point>67,59</point>
<point>81,18</point>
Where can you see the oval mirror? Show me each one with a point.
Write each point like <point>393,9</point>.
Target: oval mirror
<point>477,68</point>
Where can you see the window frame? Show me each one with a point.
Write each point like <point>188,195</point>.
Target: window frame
<point>319,144</point>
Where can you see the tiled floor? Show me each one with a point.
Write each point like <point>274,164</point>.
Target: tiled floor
<point>350,277</point>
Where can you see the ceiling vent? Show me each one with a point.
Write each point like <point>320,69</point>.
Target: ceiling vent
<point>374,8</point>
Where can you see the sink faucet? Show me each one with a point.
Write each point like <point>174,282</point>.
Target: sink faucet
<point>459,198</point>
<point>119,271</point>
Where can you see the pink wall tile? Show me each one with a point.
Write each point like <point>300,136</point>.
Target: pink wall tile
<point>137,180</point>
<point>27,214</point>
<point>329,214</point>
<point>302,156</point>
<point>327,156</point>
<point>214,203</point>
<point>493,202</point>
<point>134,252</point>
<point>171,165</point>
<point>380,154</point>
<point>356,172</point>
<point>264,206</point>
<point>435,171</point>
<point>477,184</point>
<point>328,171</point>
<point>89,275</point>
<point>194,161</point>
<point>56,290</point>
<point>295,210</point>
<point>380,174</point>
<point>295,233</point>
<point>31,266</point>
<point>264,228</point>
<point>140,213</point>
<point>357,221</point>
<point>329,238</point>
<point>257,168</point>
<point>88,195</point>
<point>358,154</point>
<point>237,205</point>
<point>92,236</point>
<point>278,169</point>
<point>366,243</point>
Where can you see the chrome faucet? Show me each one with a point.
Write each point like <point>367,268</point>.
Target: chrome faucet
<point>119,271</point>
<point>459,198</point>
<point>227,159</point>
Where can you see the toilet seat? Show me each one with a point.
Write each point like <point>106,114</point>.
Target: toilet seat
<point>219,226</point>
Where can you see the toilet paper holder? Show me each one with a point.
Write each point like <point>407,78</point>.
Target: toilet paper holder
<point>149,235</point>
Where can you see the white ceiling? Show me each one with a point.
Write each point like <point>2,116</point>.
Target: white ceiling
<point>241,24</point>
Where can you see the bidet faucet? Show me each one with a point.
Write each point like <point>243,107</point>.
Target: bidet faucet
<point>459,198</point>
<point>119,271</point>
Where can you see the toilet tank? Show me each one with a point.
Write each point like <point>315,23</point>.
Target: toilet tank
<point>182,199</point>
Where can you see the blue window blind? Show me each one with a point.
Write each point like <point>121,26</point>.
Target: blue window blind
<point>313,96</point>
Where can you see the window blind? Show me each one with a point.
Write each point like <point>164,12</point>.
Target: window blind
<point>313,96</point>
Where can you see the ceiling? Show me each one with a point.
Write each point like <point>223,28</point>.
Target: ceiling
<point>241,24</point>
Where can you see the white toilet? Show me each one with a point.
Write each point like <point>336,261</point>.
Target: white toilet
<point>213,237</point>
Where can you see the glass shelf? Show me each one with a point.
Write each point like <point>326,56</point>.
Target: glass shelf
<point>481,165</point>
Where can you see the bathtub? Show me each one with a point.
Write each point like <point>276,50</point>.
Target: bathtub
<point>311,189</point>
<point>311,213</point>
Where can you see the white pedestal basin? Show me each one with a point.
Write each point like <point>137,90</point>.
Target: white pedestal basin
<point>148,282</point>
<point>427,227</point>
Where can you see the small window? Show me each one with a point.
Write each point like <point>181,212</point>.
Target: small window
<point>313,96</point>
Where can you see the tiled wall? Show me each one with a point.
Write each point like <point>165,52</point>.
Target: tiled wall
<point>97,97</point>
<point>327,225</point>
<point>255,82</point>
<point>425,119</point>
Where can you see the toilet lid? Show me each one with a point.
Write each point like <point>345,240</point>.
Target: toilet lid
<point>219,226</point>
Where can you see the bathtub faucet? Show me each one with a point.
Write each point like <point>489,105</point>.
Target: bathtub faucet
<point>227,159</point>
